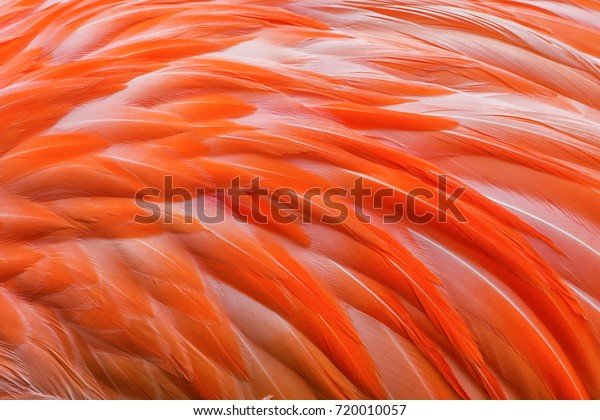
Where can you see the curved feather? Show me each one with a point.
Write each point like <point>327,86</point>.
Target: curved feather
<point>100,99</point>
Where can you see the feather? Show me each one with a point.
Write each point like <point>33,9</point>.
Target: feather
<point>103,100</point>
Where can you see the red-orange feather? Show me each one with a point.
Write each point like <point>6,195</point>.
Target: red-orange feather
<point>102,98</point>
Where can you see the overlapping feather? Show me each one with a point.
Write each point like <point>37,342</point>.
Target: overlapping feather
<point>99,99</point>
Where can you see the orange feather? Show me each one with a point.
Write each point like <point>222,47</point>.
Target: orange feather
<point>101,99</point>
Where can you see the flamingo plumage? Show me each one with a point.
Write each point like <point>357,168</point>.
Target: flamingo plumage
<point>100,99</point>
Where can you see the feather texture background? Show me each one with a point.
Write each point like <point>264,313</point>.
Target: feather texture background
<point>99,99</point>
